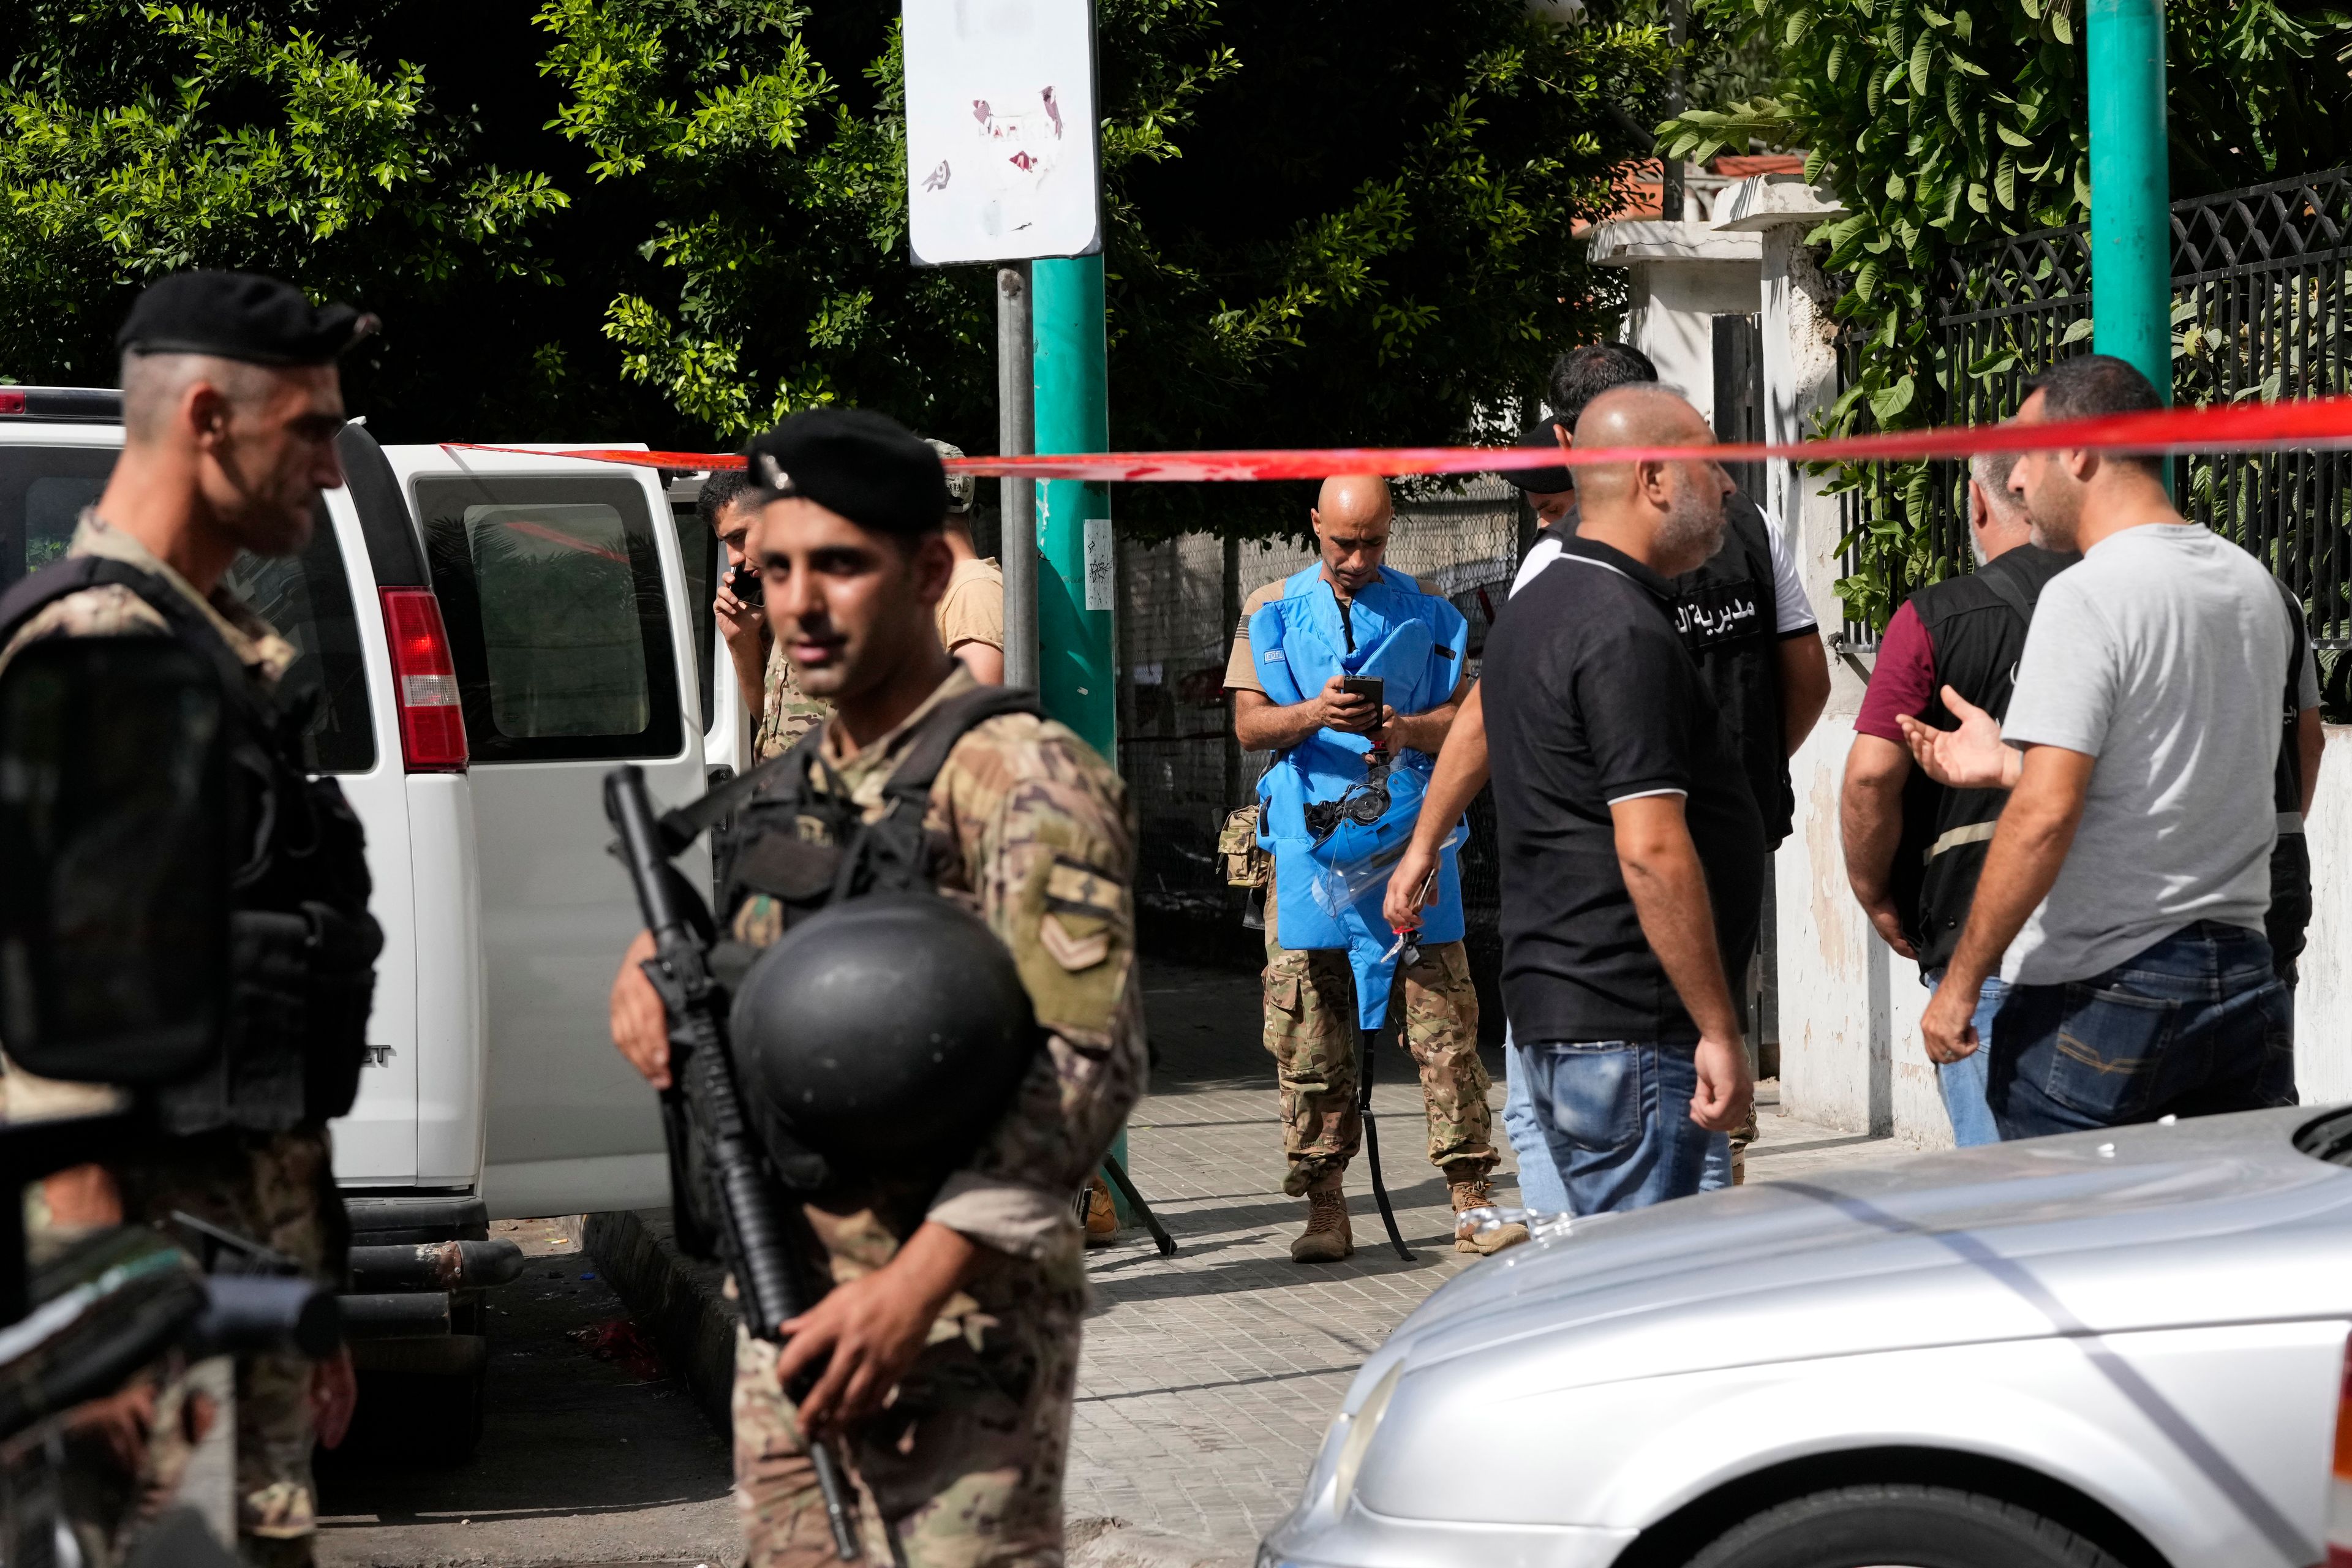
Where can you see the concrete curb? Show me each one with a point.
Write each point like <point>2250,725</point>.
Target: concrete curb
<point>676,1302</point>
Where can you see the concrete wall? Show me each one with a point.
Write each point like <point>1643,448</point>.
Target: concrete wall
<point>1672,320</point>
<point>1850,1051</point>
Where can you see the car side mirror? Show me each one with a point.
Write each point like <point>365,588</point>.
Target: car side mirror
<point>116,847</point>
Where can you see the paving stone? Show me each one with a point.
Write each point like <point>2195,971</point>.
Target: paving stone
<point>1209,1377</point>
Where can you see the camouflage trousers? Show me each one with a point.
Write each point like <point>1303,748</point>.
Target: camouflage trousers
<point>277,1189</point>
<point>962,1469</point>
<point>1310,1029</point>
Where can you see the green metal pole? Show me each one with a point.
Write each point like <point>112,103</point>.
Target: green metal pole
<point>2131,210</point>
<point>1076,643</point>
<point>1076,677</point>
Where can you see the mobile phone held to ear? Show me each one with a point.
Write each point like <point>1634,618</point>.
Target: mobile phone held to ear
<point>744,582</point>
<point>1371,688</point>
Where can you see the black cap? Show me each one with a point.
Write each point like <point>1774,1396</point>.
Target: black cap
<point>867,466</point>
<point>1542,481</point>
<point>240,316</point>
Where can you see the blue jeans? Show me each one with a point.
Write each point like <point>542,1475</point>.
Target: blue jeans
<point>2194,1025</point>
<point>1615,1115</point>
<point>1541,1187</point>
<point>1962,1083</point>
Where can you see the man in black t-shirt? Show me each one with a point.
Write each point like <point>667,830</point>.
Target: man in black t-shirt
<point>1631,847</point>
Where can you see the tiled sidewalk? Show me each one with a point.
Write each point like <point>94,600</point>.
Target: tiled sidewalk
<point>1209,1377</point>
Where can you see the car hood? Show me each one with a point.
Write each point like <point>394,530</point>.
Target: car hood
<point>2215,1219</point>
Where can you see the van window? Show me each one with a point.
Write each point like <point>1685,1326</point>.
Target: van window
<point>699,548</point>
<point>308,598</point>
<point>557,622</point>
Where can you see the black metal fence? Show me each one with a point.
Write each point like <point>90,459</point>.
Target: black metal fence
<point>2260,291</point>
<point>1178,605</point>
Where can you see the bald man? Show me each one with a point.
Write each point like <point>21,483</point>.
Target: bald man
<point>1631,848</point>
<point>1318,734</point>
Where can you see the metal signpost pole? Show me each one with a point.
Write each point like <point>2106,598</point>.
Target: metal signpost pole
<point>2131,212</point>
<point>1017,547</point>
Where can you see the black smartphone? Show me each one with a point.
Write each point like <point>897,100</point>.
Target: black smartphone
<point>1367,686</point>
<point>744,582</point>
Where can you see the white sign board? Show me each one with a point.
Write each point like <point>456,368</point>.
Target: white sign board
<point>1002,160</point>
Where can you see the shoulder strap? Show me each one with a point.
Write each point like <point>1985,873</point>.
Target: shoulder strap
<point>683,825</point>
<point>30,595</point>
<point>2005,588</point>
<point>912,777</point>
<point>944,726</point>
<point>59,579</point>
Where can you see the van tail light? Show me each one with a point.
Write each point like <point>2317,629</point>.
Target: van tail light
<point>432,721</point>
<point>2339,1485</point>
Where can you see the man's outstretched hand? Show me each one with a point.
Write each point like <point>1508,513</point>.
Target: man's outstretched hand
<point>1973,756</point>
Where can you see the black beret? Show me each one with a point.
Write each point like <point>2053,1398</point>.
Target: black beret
<point>239,316</point>
<point>866,466</point>
<point>1542,481</point>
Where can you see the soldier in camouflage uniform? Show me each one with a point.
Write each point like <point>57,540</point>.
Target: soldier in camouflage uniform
<point>784,714</point>
<point>246,403</point>
<point>1310,995</point>
<point>945,1354</point>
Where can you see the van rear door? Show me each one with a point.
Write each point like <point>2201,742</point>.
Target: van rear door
<point>564,594</point>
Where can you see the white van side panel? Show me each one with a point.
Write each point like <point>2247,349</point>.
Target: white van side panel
<point>452,1014</point>
<point>570,1127</point>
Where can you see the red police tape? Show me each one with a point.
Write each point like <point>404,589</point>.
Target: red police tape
<point>2316,423</point>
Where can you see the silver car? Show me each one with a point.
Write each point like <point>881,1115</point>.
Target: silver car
<point>2110,1348</point>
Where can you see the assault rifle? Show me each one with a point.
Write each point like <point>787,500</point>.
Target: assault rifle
<point>702,1111</point>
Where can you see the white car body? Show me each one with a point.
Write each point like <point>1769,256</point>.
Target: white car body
<point>2139,1332</point>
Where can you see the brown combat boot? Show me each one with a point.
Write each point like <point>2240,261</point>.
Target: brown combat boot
<point>1478,1193</point>
<point>1102,1217</point>
<point>1327,1238</point>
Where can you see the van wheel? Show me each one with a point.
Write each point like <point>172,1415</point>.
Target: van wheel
<point>1901,1525</point>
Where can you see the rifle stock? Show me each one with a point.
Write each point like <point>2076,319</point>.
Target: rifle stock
<point>703,1102</point>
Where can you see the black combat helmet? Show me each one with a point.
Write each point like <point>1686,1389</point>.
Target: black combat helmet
<point>882,1031</point>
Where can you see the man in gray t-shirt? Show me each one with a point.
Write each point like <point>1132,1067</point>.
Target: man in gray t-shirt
<point>2130,876</point>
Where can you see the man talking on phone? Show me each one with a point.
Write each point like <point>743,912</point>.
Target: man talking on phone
<point>1350,625</point>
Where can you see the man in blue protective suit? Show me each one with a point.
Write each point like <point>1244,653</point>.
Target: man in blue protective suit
<point>1336,805</point>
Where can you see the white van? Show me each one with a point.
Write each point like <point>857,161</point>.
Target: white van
<point>487,633</point>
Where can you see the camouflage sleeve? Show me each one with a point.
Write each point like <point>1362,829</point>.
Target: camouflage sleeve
<point>1056,853</point>
<point>109,610</point>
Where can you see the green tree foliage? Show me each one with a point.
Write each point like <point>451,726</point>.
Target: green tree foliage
<point>675,219</point>
<point>1324,222</point>
<point>1943,124</point>
<point>141,139</point>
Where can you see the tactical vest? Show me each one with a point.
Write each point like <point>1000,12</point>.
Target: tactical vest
<point>806,848</point>
<point>302,946</point>
<point>1976,626</point>
<point>1727,613</point>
